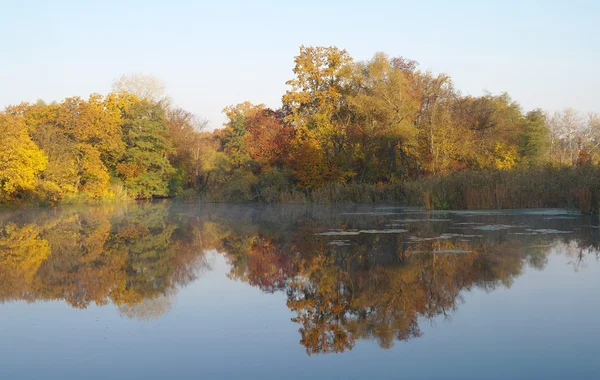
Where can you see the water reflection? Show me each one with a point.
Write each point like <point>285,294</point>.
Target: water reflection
<point>348,275</point>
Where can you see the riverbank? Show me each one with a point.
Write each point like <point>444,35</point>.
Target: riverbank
<point>545,187</point>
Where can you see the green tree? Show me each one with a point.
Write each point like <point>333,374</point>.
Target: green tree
<point>145,167</point>
<point>535,140</point>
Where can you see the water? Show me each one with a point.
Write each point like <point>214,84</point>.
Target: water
<point>186,291</point>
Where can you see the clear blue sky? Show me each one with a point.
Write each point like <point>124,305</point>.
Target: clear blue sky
<point>212,54</point>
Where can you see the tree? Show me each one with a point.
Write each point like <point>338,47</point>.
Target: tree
<point>185,134</point>
<point>494,125</point>
<point>255,135</point>
<point>20,159</point>
<point>567,129</point>
<point>386,109</point>
<point>236,127</point>
<point>145,168</point>
<point>315,100</point>
<point>93,129</point>
<point>535,139</point>
<point>439,140</point>
<point>144,86</point>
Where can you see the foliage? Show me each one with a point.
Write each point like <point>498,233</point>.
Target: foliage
<point>145,168</point>
<point>20,159</point>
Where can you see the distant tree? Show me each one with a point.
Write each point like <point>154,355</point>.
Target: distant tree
<point>567,129</point>
<point>144,86</point>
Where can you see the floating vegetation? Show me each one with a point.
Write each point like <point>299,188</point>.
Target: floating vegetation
<point>442,251</point>
<point>549,231</point>
<point>354,233</point>
<point>387,231</point>
<point>418,239</point>
<point>452,251</point>
<point>494,227</point>
<point>422,220</point>
<point>371,213</point>
<point>444,236</point>
<point>408,209</point>
<point>339,233</point>
<point>451,235</point>
<point>340,243</point>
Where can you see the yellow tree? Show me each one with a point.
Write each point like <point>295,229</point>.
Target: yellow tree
<point>20,159</point>
<point>386,109</point>
<point>94,127</point>
<point>40,118</point>
<point>83,140</point>
<point>315,100</point>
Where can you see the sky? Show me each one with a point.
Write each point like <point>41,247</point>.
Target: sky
<point>545,54</point>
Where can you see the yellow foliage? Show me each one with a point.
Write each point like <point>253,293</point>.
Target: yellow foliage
<point>95,178</point>
<point>505,157</point>
<point>20,159</point>
<point>21,252</point>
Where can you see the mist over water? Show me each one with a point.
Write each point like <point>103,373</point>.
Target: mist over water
<point>156,290</point>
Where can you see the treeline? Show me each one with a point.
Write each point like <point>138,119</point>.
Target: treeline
<point>118,146</point>
<point>353,130</point>
<point>365,126</point>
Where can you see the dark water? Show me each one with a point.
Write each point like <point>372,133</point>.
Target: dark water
<point>203,291</point>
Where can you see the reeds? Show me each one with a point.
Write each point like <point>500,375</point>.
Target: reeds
<point>565,187</point>
<point>542,187</point>
<point>331,193</point>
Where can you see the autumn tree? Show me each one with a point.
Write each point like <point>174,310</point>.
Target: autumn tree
<point>185,132</point>
<point>386,107</point>
<point>20,159</point>
<point>494,124</point>
<point>315,100</point>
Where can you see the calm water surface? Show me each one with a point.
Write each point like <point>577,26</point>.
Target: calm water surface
<point>190,291</point>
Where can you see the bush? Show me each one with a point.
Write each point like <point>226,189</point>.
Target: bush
<point>274,183</point>
<point>239,186</point>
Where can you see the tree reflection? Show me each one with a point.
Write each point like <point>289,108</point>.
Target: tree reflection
<point>368,286</point>
<point>131,258</point>
<point>380,286</point>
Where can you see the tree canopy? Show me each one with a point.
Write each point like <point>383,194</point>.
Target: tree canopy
<point>341,121</point>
